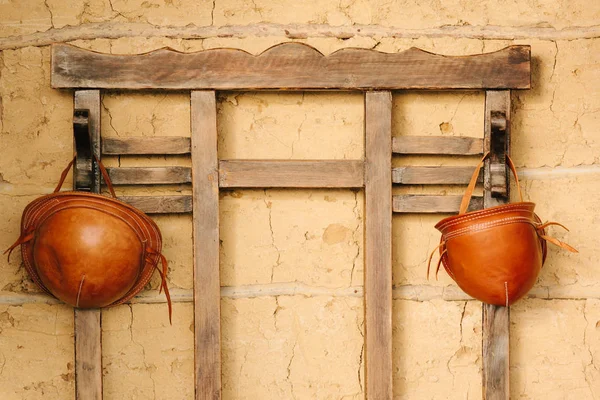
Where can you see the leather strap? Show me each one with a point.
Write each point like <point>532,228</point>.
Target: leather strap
<point>106,177</point>
<point>163,276</point>
<point>541,233</point>
<point>103,171</point>
<point>442,243</point>
<point>464,204</point>
<point>25,237</point>
<point>63,175</point>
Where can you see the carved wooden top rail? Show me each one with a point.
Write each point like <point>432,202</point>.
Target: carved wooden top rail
<point>290,66</point>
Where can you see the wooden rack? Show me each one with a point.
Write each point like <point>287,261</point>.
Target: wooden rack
<point>294,66</point>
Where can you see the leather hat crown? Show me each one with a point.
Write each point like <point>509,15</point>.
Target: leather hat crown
<point>494,254</point>
<point>90,250</point>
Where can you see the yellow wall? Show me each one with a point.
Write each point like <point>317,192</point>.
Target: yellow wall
<point>292,261</point>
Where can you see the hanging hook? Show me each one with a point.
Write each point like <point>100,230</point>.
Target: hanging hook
<point>83,172</point>
<point>498,150</point>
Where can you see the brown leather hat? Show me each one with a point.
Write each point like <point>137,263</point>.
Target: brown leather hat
<point>495,254</point>
<point>90,250</point>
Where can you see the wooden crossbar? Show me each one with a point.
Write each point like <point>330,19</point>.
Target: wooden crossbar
<point>437,145</point>
<point>404,145</point>
<point>428,204</point>
<point>433,175</point>
<point>146,145</point>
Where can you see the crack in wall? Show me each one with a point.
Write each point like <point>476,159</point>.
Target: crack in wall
<point>462,318</point>
<point>50,12</point>
<point>276,312</point>
<point>592,363</point>
<point>256,9</point>
<point>269,206</point>
<point>289,371</point>
<point>148,367</point>
<point>355,235</point>
<point>153,117</point>
<point>298,132</point>
<point>118,13</point>
<point>360,362</point>
<point>110,118</point>
<point>2,361</point>
<point>460,347</point>
<point>212,13</point>
<point>555,59</point>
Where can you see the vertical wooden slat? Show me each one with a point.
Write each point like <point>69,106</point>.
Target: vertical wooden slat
<point>496,320</point>
<point>205,181</point>
<point>88,330</point>
<point>378,247</point>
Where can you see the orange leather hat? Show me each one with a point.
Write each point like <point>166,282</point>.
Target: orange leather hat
<point>494,254</point>
<point>90,250</point>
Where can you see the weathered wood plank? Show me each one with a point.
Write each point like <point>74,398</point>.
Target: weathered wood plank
<point>496,320</point>
<point>160,204</point>
<point>290,66</point>
<point>149,175</point>
<point>291,174</point>
<point>88,354</point>
<point>88,330</point>
<point>427,204</point>
<point>496,326</point>
<point>437,145</point>
<point>207,289</point>
<point>146,145</point>
<point>378,245</point>
<point>433,175</point>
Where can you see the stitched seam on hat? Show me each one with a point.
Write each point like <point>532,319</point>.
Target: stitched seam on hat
<point>478,216</point>
<point>488,225</point>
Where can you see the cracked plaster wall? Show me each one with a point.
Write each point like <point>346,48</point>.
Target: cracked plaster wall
<point>292,261</point>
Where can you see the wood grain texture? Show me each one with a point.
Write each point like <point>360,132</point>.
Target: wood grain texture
<point>146,145</point>
<point>88,354</point>
<point>290,66</point>
<point>378,245</point>
<point>496,326</point>
<point>427,204</point>
<point>496,320</point>
<point>88,329</point>
<point>437,145</point>
<point>291,174</point>
<point>149,175</point>
<point>433,175</point>
<point>160,204</point>
<point>90,100</point>
<point>207,289</point>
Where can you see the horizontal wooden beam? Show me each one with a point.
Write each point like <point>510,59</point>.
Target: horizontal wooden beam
<point>426,204</point>
<point>291,174</point>
<point>160,204</point>
<point>433,175</point>
<point>401,203</point>
<point>437,145</point>
<point>146,145</point>
<point>424,292</point>
<point>150,175</point>
<point>290,66</point>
